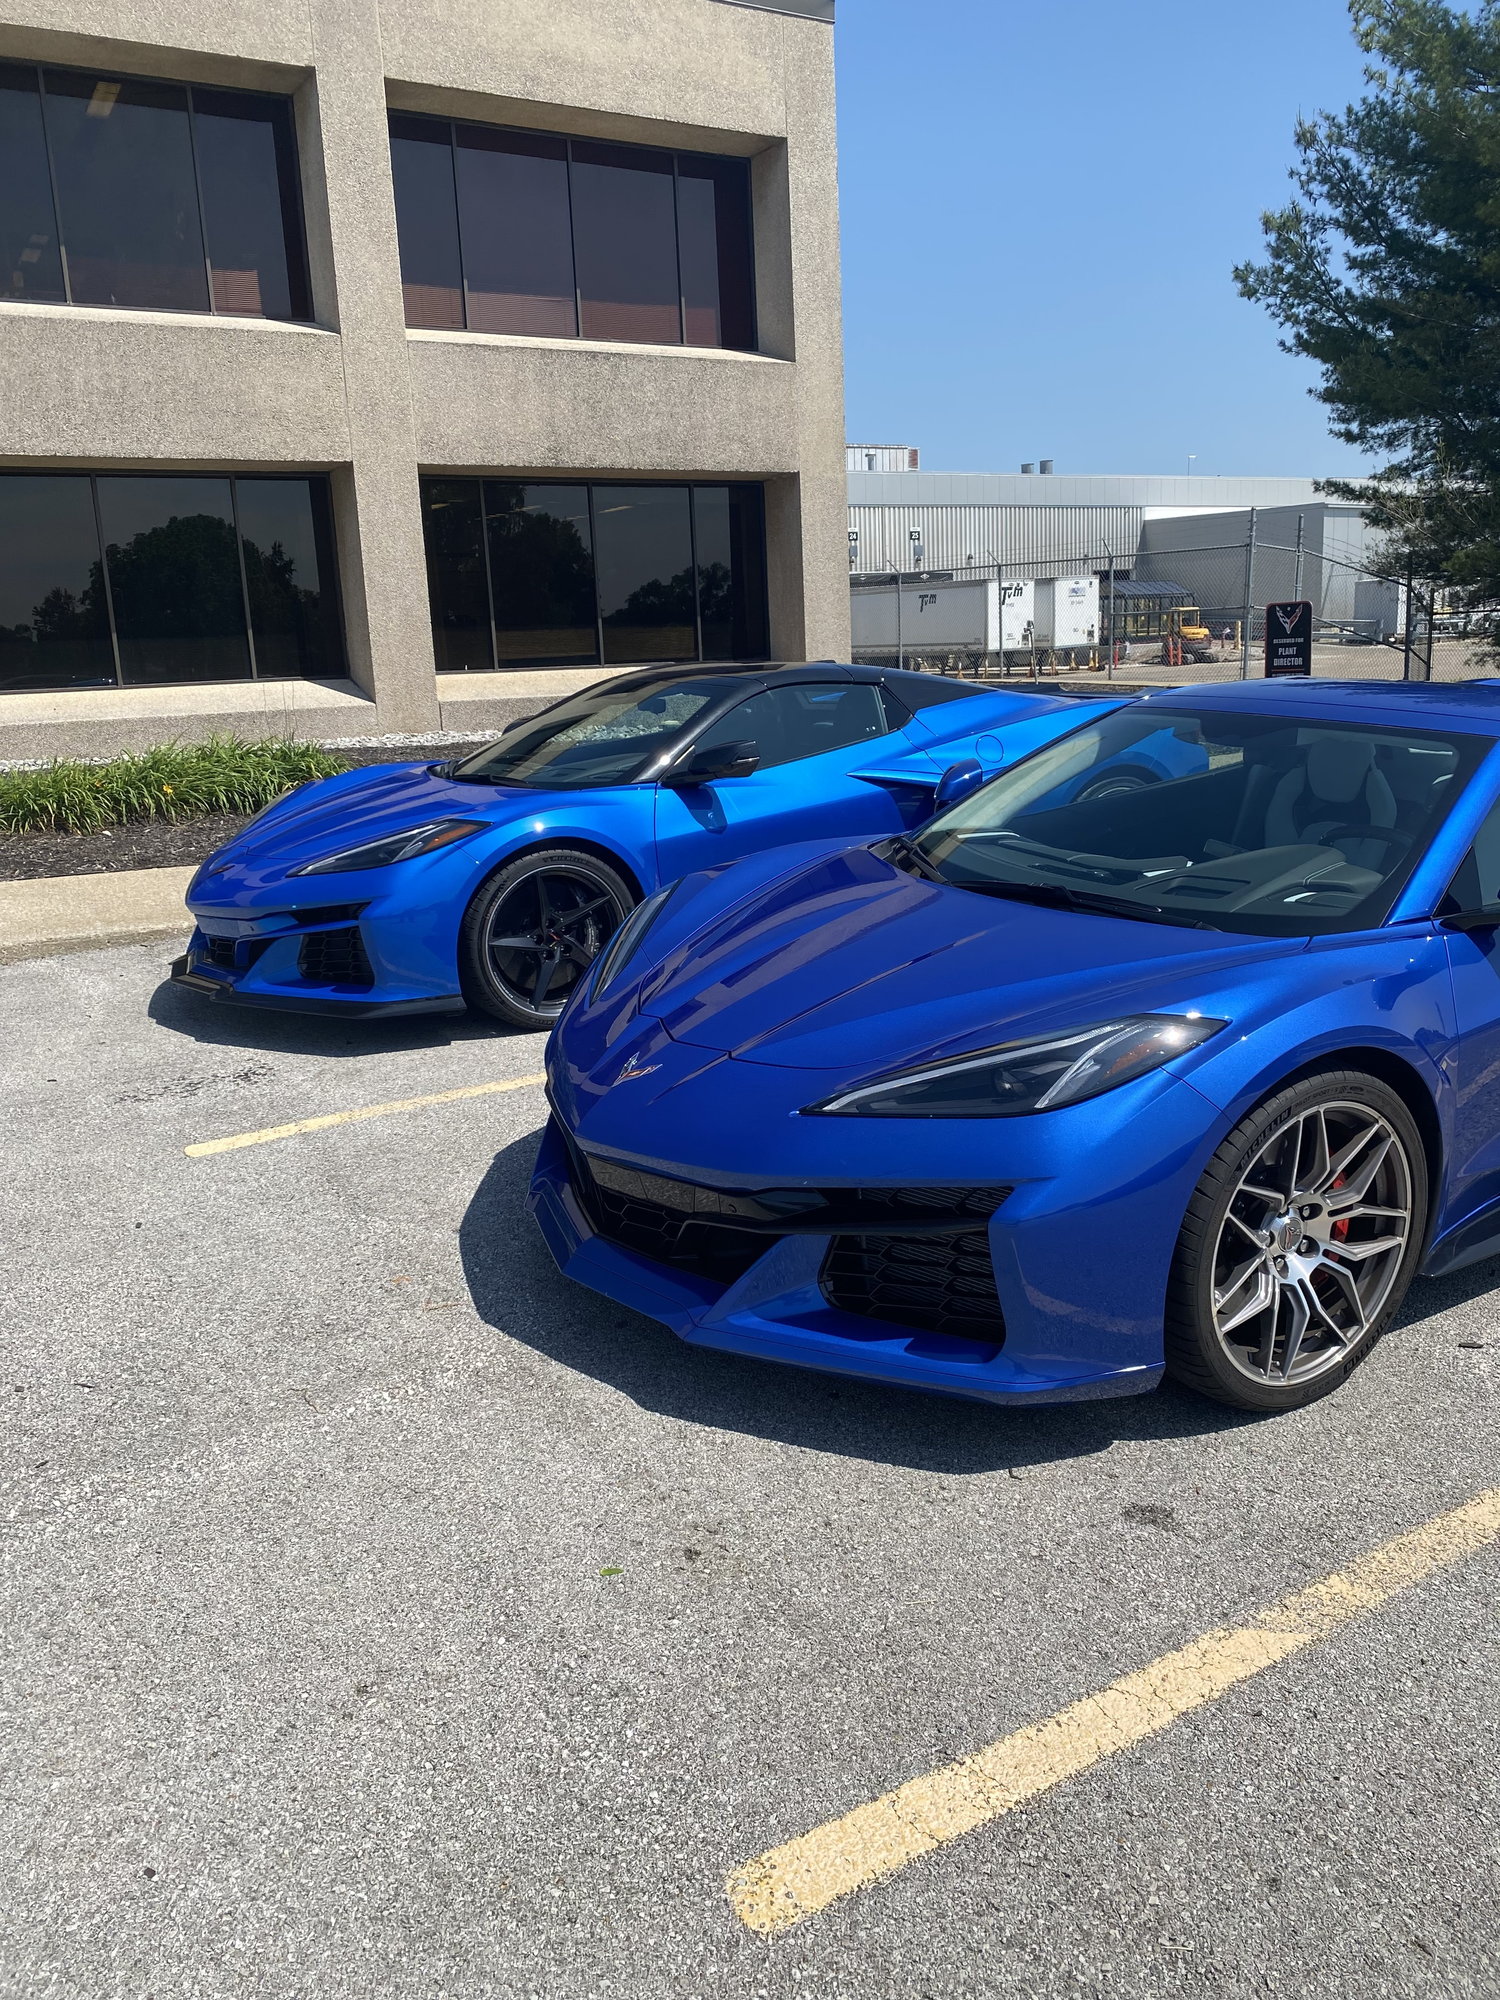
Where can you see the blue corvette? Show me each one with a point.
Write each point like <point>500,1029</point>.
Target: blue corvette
<point>494,881</point>
<point>1071,1087</point>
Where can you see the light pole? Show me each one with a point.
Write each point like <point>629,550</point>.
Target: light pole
<point>1192,459</point>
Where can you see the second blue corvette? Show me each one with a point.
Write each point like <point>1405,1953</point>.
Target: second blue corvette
<point>495,880</point>
<point>1084,1081</point>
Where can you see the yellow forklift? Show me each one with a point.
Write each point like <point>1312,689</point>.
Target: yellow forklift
<point>1186,638</point>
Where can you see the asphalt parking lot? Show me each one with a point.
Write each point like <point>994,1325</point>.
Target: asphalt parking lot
<point>385,1616</point>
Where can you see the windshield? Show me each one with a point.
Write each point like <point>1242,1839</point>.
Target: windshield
<point>1234,822</point>
<point>603,736</point>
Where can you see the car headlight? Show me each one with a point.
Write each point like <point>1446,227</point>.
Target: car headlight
<point>1021,1077</point>
<point>622,945</point>
<point>405,846</point>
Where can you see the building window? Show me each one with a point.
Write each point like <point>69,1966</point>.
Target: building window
<point>132,579</point>
<point>519,232</point>
<point>553,573</point>
<point>116,191</point>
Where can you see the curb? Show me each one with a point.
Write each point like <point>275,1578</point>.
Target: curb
<point>68,913</point>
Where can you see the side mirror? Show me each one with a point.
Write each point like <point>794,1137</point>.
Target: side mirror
<point>957,782</point>
<point>1484,919</point>
<point>704,767</point>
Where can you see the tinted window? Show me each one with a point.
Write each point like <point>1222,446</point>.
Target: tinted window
<point>513,221</point>
<point>713,221</point>
<point>456,577</point>
<point>30,266</point>
<point>1229,821</point>
<point>916,691</point>
<point>118,191</point>
<point>730,538</point>
<point>644,551</point>
<point>520,572</point>
<point>286,538</point>
<point>625,243</point>
<point>1476,886</point>
<point>182,587</point>
<point>252,218</point>
<point>432,281</point>
<point>542,574</point>
<point>174,579</point>
<point>787,724</point>
<point>123,156</point>
<point>601,737</point>
<point>527,233</point>
<point>54,620</point>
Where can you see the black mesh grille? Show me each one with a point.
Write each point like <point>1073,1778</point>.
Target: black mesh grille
<point>937,1284</point>
<point>335,958</point>
<point>217,952</point>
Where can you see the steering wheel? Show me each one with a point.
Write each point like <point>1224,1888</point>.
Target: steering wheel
<point>1389,836</point>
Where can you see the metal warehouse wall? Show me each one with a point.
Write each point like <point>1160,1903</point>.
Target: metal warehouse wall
<point>1031,538</point>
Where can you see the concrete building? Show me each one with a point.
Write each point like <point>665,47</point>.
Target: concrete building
<point>373,366</point>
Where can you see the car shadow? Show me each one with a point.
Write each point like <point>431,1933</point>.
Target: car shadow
<point>517,1289</point>
<point>210,1022</point>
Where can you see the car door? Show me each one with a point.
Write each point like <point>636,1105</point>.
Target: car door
<point>810,738</point>
<point>1474,956</point>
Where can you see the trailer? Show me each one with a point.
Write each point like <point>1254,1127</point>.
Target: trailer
<point>974,616</point>
<point>1067,612</point>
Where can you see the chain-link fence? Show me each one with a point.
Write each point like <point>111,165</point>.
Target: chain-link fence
<point>1161,617</point>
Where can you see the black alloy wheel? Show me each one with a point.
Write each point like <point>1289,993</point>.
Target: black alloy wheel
<point>533,931</point>
<point>1299,1244</point>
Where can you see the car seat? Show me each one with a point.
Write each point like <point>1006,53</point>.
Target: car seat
<point>1334,783</point>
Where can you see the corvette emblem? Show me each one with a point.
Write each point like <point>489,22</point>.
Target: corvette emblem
<point>634,1070</point>
<point>1290,616</point>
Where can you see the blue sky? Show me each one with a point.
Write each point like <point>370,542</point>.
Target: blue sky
<point>1042,204</point>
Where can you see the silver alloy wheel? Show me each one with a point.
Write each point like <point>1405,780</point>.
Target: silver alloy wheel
<point>1311,1243</point>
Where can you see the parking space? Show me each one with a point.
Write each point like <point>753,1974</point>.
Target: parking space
<point>386,1615</point>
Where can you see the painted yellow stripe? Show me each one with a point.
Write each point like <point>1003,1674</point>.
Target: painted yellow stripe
<point>783,1886</point>
<point>271,1133</point>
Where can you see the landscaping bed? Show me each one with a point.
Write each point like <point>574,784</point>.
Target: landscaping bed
<point>168,808</point>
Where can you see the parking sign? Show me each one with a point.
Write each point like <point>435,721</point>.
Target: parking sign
<point>1289,637</point>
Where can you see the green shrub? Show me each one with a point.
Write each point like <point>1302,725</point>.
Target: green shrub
<point>176,781</point>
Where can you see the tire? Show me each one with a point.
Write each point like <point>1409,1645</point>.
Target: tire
<point>1273,1302</point>
<point>1115,784</point>
<point>560,907</point>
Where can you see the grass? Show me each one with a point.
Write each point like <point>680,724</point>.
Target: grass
<point>176,781</point>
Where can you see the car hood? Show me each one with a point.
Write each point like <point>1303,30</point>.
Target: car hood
<point>362,805</point>
<point>852,963</point>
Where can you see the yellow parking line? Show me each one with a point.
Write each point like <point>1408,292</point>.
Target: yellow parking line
<point>783,1886</point>
<point>274,1132</point>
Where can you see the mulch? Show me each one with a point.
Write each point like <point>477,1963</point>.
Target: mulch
<point>180,843</point>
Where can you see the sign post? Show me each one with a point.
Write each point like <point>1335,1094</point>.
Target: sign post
<point>1289,637</point>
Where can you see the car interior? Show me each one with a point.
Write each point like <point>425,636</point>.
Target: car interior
<point>1290,823</point>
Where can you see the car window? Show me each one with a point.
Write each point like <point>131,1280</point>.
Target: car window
<point>1476,886</point>
<point>598,738</point>
<point>1233,820</point>
<point>787,724</point>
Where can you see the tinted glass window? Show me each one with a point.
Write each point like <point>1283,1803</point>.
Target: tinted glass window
<point>513,221</point>
<point>174,579</point>
<point>286,538</point>
<point>123,156</point>
<point>546,557</point>
<point>625,243</point>
<point>542,574</point>
<point>917,691</point>
<point>456,577</point>
<point>252,218</point>
<point>427,222</point>
<point>30,265</point>
<point>601,737</point>
<point>787,724</point>
<point>54,621</point>
<point>729,530</point>
<point>644,551</point>
<point>713,220</point>
<point>1476,886</point>
<point>1228,821</point>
